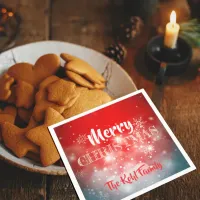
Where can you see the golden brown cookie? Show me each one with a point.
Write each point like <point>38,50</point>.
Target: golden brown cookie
<point>7,115</point>
<point>83,69</point>
<point>41,137</point>
<point>99,86</point>
<point>48,81</point>
<point>12,98</point>
<point>42,102</point>
<point>24,114</point>
<point>5,84</point>
<point>78,79</point>
<point>87,100</point>
<point>62,92</point>
<point>11,110</point>
<point>44,67</point>
<point>25,94</point>
<point>15,139</point>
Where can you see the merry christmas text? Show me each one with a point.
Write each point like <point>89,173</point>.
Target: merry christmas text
<point>95,137</point>
<point>124,143</point>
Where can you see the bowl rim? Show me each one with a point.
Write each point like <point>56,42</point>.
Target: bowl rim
<point>60,172</point>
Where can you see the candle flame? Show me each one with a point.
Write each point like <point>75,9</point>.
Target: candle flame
<point>173,17</point>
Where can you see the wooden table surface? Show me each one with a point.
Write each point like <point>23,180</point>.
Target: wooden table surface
<point>90,23</point>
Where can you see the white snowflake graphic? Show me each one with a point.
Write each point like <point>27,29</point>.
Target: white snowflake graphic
<point>138,123</point>
<point>147,149</point>
<point>139,127</point>
<point>81,139</point>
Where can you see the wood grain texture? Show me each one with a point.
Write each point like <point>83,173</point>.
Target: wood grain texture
<point>135,65</point>
<point>35,19</point>
<point>82,22</point>
<point>17,184</point>
<point>181,109</point>
<point>35,23</point>
<point>60,187</point>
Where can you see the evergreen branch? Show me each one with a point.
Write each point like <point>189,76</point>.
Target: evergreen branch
<point>190,31</point>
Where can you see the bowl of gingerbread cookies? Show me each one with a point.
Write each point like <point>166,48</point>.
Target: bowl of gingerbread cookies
<point>44,83</point>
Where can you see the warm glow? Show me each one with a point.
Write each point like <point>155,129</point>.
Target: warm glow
<point>10,14</point>
<point>173,17</point>
<point>3,10</point>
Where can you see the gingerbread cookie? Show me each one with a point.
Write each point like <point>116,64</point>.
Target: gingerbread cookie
<point>55,97</point>
<point>99,86</point>
<point>15,139</point>
<point>12,98</point>
<point>89,76</point>
<point>44,67</point>
<point>7,115</point>
<point>87,100</point>
<point>79,79</point>
<point>5,82</point>
<point>42,102</point>
<point>11,110</point>
<point>82,81</point>
<point>62,92</point>
<point>48,81</point>
<point>41,137</point>
<point>24,114</point>
<point>25,94</point>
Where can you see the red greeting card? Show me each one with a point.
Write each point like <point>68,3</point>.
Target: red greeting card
<point>120,150</point>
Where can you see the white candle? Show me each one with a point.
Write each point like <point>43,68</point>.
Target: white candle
<point>171,32</point>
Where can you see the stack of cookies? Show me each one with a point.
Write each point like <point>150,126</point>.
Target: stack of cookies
<point>37,96</point>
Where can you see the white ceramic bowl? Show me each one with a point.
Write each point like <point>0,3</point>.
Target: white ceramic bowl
<point>118,84</point>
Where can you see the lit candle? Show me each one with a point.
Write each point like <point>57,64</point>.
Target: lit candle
<point>171,32</point>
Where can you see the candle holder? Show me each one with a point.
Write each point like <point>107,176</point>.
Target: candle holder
<point>165,61</point>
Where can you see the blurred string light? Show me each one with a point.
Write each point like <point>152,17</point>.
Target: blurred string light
<point>4,10</point>
<point>9,27</point>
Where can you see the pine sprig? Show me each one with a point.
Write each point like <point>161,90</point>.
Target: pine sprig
<point>190,31</point>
